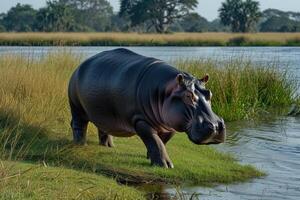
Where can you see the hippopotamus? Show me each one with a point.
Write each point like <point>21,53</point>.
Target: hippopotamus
<point>124,94</point>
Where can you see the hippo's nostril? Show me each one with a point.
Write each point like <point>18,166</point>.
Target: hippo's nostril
<point>212,127</point>
<point>221,125</point>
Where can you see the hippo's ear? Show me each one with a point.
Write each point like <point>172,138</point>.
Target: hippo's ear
<point>179,79</point>
<point>204,79</point>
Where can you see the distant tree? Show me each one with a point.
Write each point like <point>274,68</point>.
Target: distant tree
<point>2,28</point>
<point>95,14</point>
<point>268,13</point>
<point>120,23</point>
<point>55,17</point>
<point>217,26</point>
<point>19,18</point>
<point>229,14</point>
<point>279,21</point>
<point>157,13</point>
<point>240,15</point>
<point>280,24</point>
<point>193,22</point>
<point>251,15</point>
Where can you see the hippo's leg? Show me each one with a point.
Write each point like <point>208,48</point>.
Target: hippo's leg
<point>105,139</point>
<point>79,125</point>
<point>165,137</point>
<point>155,147</point>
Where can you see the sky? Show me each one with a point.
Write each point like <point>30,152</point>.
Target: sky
<point>206,8</point>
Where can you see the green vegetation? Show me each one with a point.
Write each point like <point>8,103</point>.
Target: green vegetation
<point>279,21</point>
<point>241,15</point>
<point>60,15</point>
<point>137,39</point>
<point>19,180</point>
<point>157,14</point>
<point>243,90</point>
<point>145,16</point>
<point>34,127</point>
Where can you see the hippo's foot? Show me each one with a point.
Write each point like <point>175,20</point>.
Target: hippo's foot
<point>78,138</point>
<point>79,133</point>
<point>105,139</point>
<point>81,143</point>
<point>155,147</point>
<point>78,124</point>
<point>164,161</point>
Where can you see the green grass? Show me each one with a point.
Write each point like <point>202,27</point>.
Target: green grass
<point>20,180</point>
<point>243,90</point>
<point>140,39</point>
<point>34,127</point>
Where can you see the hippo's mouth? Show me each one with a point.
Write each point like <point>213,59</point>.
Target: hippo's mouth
<point>214,138</point>
<point>214,142</point>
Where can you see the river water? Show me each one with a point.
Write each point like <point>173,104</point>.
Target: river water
<point>272,145</point>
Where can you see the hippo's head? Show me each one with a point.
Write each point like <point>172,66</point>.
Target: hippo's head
<point>187,108</point>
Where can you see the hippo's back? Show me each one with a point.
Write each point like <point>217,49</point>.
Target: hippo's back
<point>105,87</point>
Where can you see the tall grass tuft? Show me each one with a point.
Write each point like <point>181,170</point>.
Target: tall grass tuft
<point>32,99</point>
<point>242,89</point>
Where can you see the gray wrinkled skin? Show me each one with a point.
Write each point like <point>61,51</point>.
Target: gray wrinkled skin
<point>124,94</point>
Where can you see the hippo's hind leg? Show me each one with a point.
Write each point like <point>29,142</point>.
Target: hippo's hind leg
<point>105,139</point>
<point>79,124</point>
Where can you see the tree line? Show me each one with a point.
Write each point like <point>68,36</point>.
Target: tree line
<point>159,16</point>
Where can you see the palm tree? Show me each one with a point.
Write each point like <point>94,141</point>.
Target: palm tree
<point>251,15</point>
<point>240,15</point>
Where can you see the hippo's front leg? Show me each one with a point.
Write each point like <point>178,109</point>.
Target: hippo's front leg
<point>155,146</point>
<point>165,137</point>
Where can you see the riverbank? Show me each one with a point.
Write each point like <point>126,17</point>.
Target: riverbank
<point>136,39</point>
<point>20,180</point>
<point>34,125</point>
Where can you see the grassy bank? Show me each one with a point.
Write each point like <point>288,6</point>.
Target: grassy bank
<point>34,126</point>
<point>136,39</point>
<point>32,181</point>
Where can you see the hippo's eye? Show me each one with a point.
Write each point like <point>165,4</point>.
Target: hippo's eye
<point>189,95</point>
<point>190,98</point>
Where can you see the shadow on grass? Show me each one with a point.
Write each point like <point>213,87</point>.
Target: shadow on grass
<point>127,163</point>
<point>31,143</point>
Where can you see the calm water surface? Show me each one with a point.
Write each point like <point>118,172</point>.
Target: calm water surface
<point>272,146</point>
<point>281,56</point>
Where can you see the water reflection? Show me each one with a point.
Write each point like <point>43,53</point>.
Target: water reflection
<point>273,147</point>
